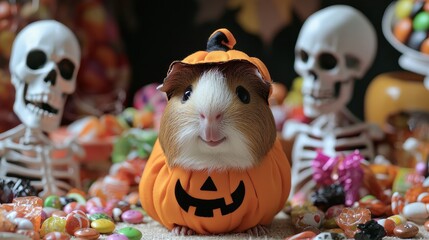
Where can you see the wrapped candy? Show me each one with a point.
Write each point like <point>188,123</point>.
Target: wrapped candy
<point>343,169</point>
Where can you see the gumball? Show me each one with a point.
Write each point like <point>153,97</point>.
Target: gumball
<point>421,21</point>
<point>403,8</point>
<point>416,39</point>
<point>424,48</point>
<point>403,29</point>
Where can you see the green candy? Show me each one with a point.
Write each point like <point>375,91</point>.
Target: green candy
<point>52,201</point>
<point>131,233</point>
<point>96,216</point>
<point>421,21</point>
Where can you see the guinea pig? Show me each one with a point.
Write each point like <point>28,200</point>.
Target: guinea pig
<point>217,166</point>
<point>217,117</point>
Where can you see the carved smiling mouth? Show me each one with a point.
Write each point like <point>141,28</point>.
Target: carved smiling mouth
<point>39,103</point>
<point>212,143</point>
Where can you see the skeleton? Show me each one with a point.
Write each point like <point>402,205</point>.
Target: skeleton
<point>44,63</point>
<point>335,47</point>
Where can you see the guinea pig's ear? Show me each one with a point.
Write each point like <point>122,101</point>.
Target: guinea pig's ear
<point>179,76</point>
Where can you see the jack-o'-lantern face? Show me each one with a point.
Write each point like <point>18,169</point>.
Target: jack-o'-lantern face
<point>205,207</point>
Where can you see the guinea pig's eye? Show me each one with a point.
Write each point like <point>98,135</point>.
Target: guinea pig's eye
<point>243,94</point>
<point>187,94</point>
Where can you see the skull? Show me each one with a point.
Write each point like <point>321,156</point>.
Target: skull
<point>44,63</point>
<point>335,46</point>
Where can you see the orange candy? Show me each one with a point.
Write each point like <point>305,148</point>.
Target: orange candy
<point>349,218</point>
<point>403,29</point>
<point>29,208</point>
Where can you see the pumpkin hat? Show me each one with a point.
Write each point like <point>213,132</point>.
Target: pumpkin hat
<point>220,50</point>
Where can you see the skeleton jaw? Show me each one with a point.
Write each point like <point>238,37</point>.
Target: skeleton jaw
<point>40,103</point>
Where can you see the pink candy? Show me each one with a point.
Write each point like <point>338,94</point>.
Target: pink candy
<point>132,216</point>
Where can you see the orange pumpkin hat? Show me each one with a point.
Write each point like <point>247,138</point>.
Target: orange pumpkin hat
<point>220,50</point>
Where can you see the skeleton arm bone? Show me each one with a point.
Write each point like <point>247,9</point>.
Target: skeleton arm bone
<point>13,133</point>
<point>291,128</point>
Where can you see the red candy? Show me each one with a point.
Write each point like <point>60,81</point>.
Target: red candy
<point>75,220</point>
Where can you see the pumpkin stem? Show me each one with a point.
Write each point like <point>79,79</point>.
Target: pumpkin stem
<point>221,40</point>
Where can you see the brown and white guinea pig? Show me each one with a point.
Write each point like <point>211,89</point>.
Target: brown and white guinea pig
<point>217,166</point>
<point>217,116</point>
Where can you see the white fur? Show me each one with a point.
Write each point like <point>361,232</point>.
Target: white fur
<point>211,95</point>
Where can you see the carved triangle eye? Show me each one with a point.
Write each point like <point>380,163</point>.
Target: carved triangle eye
<point>208,185</point>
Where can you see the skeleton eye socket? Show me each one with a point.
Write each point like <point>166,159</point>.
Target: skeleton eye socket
<point>303,55</point>
<point>327,61</point>
<point>66,69</point>
<point>36,59</point>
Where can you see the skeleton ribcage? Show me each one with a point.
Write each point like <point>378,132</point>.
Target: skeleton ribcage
<point>344,140</point>
<point>48,175</point>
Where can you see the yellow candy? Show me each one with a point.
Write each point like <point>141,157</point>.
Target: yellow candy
<point>53,224</point>
<point>103,225</point>
<point>403,8</point>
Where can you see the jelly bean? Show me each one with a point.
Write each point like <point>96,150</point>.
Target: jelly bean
<point>103,225</point>
<point>52,201</point>
<point>391,222</point>
<point>131,233</point>
<point>406,230</point>
<point>417,212</point>
<point>75,220</point>
<point>87,233</point>
<point>403,8</point>
<point>117,236</point>
<point>421,21</point>
<point>132,216</point>
<point>56,236</point>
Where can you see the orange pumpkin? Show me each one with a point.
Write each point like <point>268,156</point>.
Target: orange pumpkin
<point>215,202</point>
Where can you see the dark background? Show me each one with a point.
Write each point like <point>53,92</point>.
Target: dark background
<point>155,33</point>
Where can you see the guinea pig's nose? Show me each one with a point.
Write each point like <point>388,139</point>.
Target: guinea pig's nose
<point>215,117</point>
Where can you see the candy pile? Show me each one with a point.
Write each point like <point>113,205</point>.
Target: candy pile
<point>78,215</point>
<point>412,24</point>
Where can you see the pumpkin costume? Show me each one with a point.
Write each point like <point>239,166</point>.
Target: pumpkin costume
<point>217,201</point>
